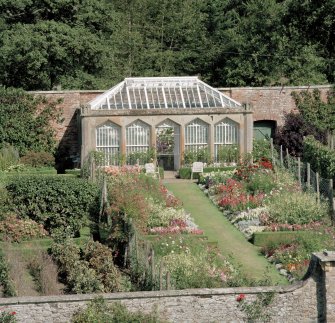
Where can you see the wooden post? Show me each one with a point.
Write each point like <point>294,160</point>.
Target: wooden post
<point>317,187</point>
<point>272,154</point>
<point>331,200</point>
<point>168,281</point>
<point>281,156</point>
<point>161,276</point>
<point>308,175</point>
<point>153,276</point>
<point>288,159</point>
<point>299,171</point>
<point>125,257</point>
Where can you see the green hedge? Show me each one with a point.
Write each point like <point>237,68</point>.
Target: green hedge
<point>54,201</point>
<point>321,158</point>
<point>262,239</point>
<point>185,172</point>
<point>76,172</point>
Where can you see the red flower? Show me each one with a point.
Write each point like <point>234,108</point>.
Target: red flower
<point>13,313</point>
<point>240,297</point>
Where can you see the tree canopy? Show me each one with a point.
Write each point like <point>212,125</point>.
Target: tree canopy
<point>90,44</point>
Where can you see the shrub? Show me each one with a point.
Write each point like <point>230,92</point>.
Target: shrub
<point>25,120</point>
<point>53,201</point>
<point>13,229</point>
<point>90,270</point>
<point>38,159</point>
<point>296,208</point>
<point>261,182</point>
<point>8,317</point>
<point>228,154</point>
<point>9,156</point>
<point>98,311</point>
<point>261,149</point>
<point>6,283</point>
<point>200,155</point>
<point>321,158</point>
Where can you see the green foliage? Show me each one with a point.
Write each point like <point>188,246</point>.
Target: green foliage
<point>54,201</point>
<point>94,44</point>
<point>296,208</point>
<point>5,281</point>
<point>261,182</point>
<point>321,158</point>
<point>141,157</point>
<point>257,310</point>
<point>261,149</point>
<point>185,172</point>
<point>98,311</point>
<point>228,154</point>
<point>262,239</point>
<point>38,159</point>
<point>199,155</point>
<point>13,229</point>
<point>87,271</point>
<point>8,317</point>
<point>25,121</point>
<point>9,156</point>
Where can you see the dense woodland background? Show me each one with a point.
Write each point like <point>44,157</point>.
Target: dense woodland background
<point>91,44</point>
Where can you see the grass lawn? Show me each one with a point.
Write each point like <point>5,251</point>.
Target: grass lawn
<point>230,240</point>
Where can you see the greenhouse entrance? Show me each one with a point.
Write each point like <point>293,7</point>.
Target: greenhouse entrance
<point>168,145</point>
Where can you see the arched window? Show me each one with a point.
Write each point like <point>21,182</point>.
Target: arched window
<point>196,135</point>
<point>226,136</point>
<point>108,142</point>
<point>137,137</point>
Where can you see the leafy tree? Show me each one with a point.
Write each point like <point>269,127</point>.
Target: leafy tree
<point>291,134</point>
<point>25,121</point>
<point>315,111</point>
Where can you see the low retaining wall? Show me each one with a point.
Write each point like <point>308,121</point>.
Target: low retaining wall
<point>311,300</point>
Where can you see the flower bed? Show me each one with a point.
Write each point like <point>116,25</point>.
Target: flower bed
<point>255,199</point>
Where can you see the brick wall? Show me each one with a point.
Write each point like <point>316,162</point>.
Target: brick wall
<point>270,103</point>
<point>267,103</point>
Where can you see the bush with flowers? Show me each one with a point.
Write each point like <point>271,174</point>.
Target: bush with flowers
<point>192,263</point>
<point>7,316</point>
<point>14,229</point>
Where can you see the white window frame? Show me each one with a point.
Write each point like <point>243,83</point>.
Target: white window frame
<point>196,135</point>
<point>108,142</point>
<point>137,137</point>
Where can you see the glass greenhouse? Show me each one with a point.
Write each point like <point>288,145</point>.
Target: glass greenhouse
<point>174,119</point>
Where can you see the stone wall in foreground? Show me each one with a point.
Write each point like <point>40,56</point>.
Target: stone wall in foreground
<point>311,300</point>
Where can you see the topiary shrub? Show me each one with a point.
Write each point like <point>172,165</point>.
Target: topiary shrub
<point>38,159</point>
<point>54,201</point>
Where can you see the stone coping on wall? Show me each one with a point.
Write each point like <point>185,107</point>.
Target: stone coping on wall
<point>270,88</point>
<point>86,111</point>
<point>201,293</point>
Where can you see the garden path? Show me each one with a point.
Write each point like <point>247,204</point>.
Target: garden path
<point>217,228</point>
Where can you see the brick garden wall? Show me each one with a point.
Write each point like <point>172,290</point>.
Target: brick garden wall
<point>267,103</point>
<point>311,300</point>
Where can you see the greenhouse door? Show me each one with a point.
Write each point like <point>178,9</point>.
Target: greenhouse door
<point>167,145</point>
<point>264,129</point>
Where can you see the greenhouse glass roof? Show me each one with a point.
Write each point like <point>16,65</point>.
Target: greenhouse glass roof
<point>162,93</point>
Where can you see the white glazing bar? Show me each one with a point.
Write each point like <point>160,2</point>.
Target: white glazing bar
<point>188,98</point>
<point>170,97</point>
<point>222,101</point>
<point>122,106</point>
<point>199,96</point>
<point>164,97</point>
<point>213,94</point>
<point>152,98</point>
<point>205,94</point>
<point>194,98</point>
<point>182,97</point>
<point>146,97</point>
<point>157,94</point>
<point>128,96</point>
<point>108,105</point>
<point>175,94</point>
<point>139,94</point>
<point>115,103</point>
<point>134,96</point>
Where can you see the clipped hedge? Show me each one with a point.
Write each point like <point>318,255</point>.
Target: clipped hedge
<point>262,239</point>
<point>54,201</point>
<point>321,158</point>
<point>185,172</point>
